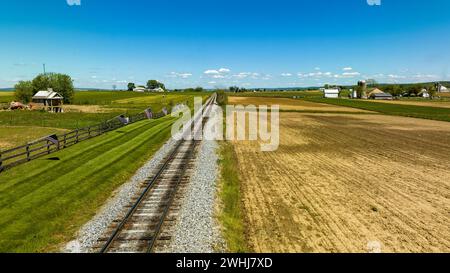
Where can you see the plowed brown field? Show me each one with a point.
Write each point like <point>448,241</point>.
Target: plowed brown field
<point>342,183</point>
<point>294,105</point>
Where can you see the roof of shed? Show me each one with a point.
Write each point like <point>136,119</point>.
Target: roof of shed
<point>47,95</point>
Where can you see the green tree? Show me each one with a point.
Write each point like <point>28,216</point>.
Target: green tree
<point>23,91</point>
<point>154,84</point>
<point>415,89</point>
<point>41,82</point>
<point>199,89</point>
<point>60,83</point>
<point>432,91</point>
<point>394,90</point>
<point>131,86</point>
<point>234,89</point>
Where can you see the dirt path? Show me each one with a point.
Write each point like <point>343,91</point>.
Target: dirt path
<point>339,183</point>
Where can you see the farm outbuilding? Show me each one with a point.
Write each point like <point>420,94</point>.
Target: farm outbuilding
<point>49,100</point>
<point>371,92</point>
<point>424,93</point>
<point>331,93</point>
<point>381,96</point>
<point>140,89</point>
<point>157,90</point>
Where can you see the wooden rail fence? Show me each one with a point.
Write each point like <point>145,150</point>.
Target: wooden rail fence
<point>50,144</point>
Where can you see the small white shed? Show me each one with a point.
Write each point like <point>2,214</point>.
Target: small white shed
<point>50,100</point>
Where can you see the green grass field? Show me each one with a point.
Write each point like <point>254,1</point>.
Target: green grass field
<point>425,112</point>
<point>43,203</point>
<point>16,136</point>
<point>115,103</point>
<point>6,98</point>
<point>279,94</point>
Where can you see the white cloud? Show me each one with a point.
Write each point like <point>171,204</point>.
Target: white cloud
<point>211,72</point>
<point>351,74</point>
<point>244,75</point>
<point>317,68</point>
<point>394,76</point>
<point>286,74</point>
<point>318,74</point>
<point>347,69</point>
<point>221,73</point>
<point>179,75</point>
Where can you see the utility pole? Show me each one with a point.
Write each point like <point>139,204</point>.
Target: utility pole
<point>44,68</point>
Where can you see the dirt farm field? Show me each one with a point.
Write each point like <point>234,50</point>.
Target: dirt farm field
<point>293,105</point>
<point>344,183</point>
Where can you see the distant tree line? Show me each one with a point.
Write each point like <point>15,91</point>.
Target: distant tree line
<point>60,83</point>
<point>151,85</point>
<point>399,90</point>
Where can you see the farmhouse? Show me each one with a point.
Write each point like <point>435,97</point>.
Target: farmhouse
<point>331,93</point>
<point>49,100</point>
<point>443,89</point>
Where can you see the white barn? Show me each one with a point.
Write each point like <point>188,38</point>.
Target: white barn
<point>157,90</point>
<point>331,93</point>
<point>140,89</point>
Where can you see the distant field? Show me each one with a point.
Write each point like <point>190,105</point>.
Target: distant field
<point>89,108</point>
<point>104,97</point>
<point>287,104</point>
<point>6,97</point>
<point>426,112</point>
<point>279,94</point>
<point>43,203</point>
<point>43,119</point>
<point>422,102</point>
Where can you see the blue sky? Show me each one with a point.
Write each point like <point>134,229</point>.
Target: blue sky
<point>248,43</point>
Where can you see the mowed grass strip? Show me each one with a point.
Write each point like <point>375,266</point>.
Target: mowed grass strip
<point>231,215</point>
<point>43,203</point>
<point>425,112</point>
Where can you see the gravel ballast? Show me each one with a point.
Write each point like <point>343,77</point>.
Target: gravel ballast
<point>197,230</point>
<point>91,232</point>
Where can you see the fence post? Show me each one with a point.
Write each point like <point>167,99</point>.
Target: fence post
<point>1,161</point>
<point>89,132</point>
<point>28,152</point>
<point>65,138</point>
<point>76,138</point>
<point>48,148</point>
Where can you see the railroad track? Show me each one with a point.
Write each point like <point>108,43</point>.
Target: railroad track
<point>141,230</point>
